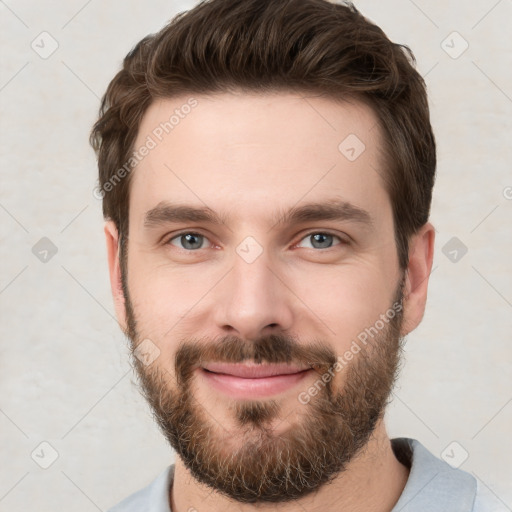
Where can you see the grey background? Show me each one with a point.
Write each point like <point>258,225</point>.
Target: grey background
<point>64,372</point>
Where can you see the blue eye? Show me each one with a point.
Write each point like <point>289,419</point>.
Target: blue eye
<point>189,241</point>
<point>321,240</point>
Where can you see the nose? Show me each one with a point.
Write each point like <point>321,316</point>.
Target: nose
<point>253,300</point>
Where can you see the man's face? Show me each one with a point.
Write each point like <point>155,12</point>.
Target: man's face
<point>263,287</point>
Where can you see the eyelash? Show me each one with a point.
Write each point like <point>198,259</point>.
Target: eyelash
<point>342,240</point>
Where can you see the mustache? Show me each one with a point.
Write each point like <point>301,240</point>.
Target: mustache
<point>272,349</point>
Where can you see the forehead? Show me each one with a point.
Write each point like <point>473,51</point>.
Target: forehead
<point>253,153</point>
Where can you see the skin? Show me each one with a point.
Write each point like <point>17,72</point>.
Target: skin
<point>251,157</point>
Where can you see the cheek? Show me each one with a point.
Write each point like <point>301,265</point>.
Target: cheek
<point>164,296</point>
<point>346,300</point>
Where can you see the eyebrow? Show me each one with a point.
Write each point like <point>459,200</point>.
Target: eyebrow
<point>166,212</point>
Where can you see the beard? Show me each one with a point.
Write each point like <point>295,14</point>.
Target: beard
<point>252,463</point>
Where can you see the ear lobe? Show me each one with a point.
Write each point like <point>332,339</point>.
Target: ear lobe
<point>112,240</point>
<point>421,255</point>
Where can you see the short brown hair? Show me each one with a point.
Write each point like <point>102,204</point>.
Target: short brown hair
<point>277,45</point>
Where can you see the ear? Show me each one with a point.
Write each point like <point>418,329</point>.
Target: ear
<point>421,255</point>
<point>112,239</point>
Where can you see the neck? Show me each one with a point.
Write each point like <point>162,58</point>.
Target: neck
<point>373,482</point>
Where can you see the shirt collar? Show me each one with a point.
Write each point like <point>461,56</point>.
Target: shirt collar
<point>432,484</point>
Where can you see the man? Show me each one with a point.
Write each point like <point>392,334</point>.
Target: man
<point>266,169</point>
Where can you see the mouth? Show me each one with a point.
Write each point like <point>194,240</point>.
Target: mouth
<point>252,370</point>
<point>249,380</point>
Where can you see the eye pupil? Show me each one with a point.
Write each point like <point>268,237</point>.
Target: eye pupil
<point>322,238</point>
<point>191,241</point>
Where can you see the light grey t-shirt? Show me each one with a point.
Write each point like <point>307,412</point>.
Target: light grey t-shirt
<point>433,486</point>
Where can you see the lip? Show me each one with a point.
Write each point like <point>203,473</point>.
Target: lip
<point>253,370</point>
<point>252,380</point>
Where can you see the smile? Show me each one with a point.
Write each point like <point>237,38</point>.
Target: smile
<point>250,380</point>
